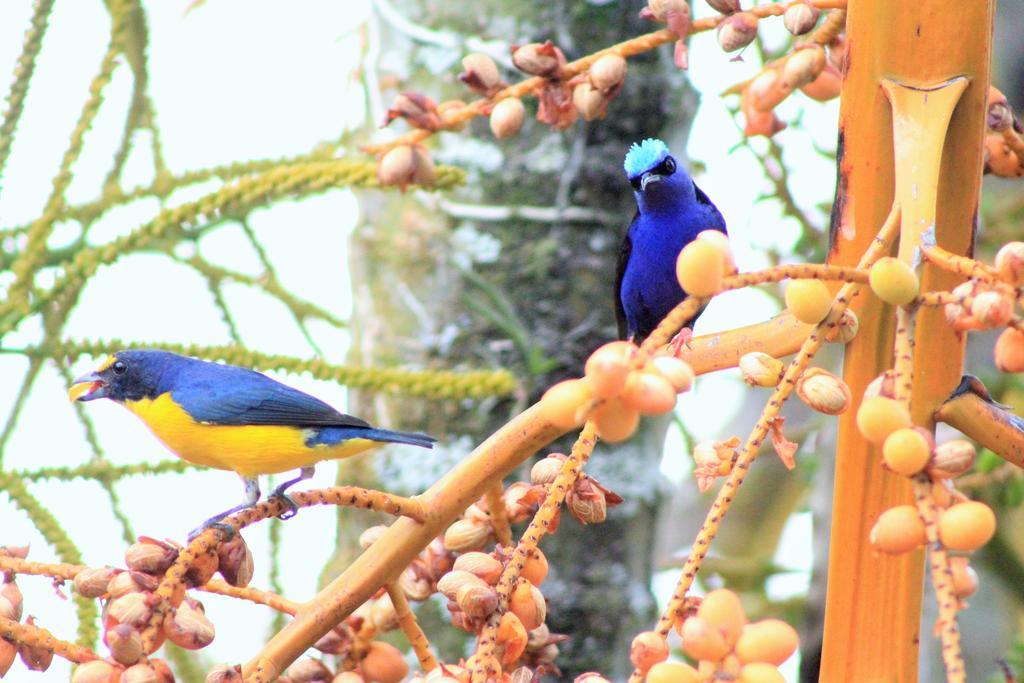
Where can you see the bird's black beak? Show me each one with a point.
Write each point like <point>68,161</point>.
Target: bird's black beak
<point>648,178</point>
<point>88,387</point>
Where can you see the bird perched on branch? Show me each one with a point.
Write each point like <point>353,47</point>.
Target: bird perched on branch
<point>671,212</point>
<point>232,418</point>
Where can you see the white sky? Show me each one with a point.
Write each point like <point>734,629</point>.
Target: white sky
<point>238,80</point>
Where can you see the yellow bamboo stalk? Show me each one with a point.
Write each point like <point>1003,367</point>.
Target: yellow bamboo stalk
<point>873,605</point>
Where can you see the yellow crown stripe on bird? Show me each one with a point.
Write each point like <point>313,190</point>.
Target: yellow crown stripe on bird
<point>232,418</point>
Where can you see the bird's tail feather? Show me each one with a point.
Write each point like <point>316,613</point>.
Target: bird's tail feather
<point>411,438</point>
<point>333,436</point>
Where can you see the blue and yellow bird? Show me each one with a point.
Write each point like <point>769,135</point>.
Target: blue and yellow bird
<point>671,212</point>
<point>232,418</point>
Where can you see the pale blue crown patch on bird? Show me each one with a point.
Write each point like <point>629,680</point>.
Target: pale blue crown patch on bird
<point>644,156</point>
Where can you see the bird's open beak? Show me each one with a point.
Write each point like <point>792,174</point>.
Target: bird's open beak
<point>88,388</point>
<point>649,178</point>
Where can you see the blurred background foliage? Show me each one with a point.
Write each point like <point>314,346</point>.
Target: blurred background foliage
<point>445,310</point>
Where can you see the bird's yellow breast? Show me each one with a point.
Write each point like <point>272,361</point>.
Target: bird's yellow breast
<point>247,449</point>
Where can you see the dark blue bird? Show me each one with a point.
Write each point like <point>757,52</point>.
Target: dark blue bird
<point>671,211</point>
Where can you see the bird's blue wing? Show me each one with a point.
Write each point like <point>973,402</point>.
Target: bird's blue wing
<point>711,209</point>
<point>620,271</point>
<point>227,395</point>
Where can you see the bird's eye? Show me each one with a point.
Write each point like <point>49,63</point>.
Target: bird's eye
<point>636,182</point>
<point>120,367</point>
<point>668,166</point>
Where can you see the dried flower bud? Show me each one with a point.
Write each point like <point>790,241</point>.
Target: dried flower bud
<point>16,551</point>
<point>450,583</point>
<point>1000,159</point>
<point>131,582</point>
<point>523,674</point>
<point>150,556</point>
<point>383,663</point>
<point>768,89</point>
<point>1010,263</point>
<point>992,309</point>
<point>544,471</point>
<point>965,579</point>
<point>608,72</point>
<point>415,586</point>
<point>1000,115</point>
<point>9,610</point>
<point>521,500</point>
<point>406,164</point>
<point>465,535</point>
<point>951,459</point>
<point>725,6</point>
<point>757,122</point>
<point>309,670</point>
<point>125,644</point>
<point>383,614</point>
<point>538,59</point>
<point>187,626</point>
<point>659,9</point>
<point>845,329</point>
<point>800,18</point>
<point>589,101</point>
<point>476,600</point>
<point>480,564</point>
<point>713,459</point>
<point>437,560</point>
<point>8,652</point>
<point>761,370</point>
<point>418,109</point>
<point>823,391</point>
<point>35,658</point>
<point>368,537</point>
<point>225,674</point>
<point>141,673</point>
<point>92,583</point>
<point>96,671</point>
<point>737,31</point>
<point>883,385</point>
<point>507,117</point>
<point>10,592</point>
<point>590,677</point>
<point>826,86</point>
<point>648,648</point>
<point>133,609</point>
<point>528,603</point>
<point>234,561</point>
<point>586,506</point>
<point>481,73</point>
<point>803,66</point>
